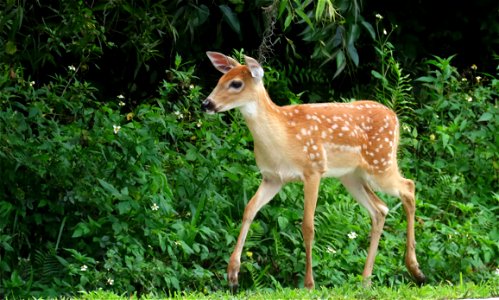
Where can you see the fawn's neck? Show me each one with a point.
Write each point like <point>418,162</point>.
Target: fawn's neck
<point>264,120</point>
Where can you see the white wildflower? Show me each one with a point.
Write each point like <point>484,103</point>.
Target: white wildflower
<point>72,68</point>
<point>179,115</point>
<point>199,124</point>
<point>116,129</point>
<point>469,98</point>
<point>121,103</point>
<point>154,207</point>
<point>496,272</point>
<point>331,250</point>
<point>191,86</point>
<point>120,96</point>
<point>84,268</point>
<point>379,17</point>
<point>31,83</point>
<point>110,281</point>
<point>352,235</point>
<point>478,78</point>
<point>385,32</point>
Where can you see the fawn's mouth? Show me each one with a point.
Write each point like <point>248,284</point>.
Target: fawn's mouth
<point>208,106</point>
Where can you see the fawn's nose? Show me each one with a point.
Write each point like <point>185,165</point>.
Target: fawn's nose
<point>207,105</point>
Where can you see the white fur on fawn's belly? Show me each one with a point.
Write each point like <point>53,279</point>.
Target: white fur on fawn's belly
<point>338,172</point>
<point>283,173</point>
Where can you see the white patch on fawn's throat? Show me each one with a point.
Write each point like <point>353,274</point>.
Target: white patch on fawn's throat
<point>249,109</point>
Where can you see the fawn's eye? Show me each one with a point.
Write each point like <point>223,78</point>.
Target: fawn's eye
<point>236,84</point>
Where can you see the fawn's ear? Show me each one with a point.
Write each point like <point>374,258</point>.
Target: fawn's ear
<point>254,66</point>
<point>222,62</point>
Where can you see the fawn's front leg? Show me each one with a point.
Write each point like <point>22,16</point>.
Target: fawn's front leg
<point>311,190</point>
<point>267,190</point>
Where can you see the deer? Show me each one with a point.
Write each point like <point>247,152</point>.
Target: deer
<point>355,142</point>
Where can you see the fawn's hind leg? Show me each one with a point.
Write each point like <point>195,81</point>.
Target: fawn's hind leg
<point>403,188</point>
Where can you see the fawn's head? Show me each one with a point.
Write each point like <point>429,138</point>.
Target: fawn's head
<point>238,87</point>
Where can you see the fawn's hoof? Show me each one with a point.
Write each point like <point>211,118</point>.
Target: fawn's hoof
<point>233,287</point>
<point>420,278</point>
<point>232,276</point>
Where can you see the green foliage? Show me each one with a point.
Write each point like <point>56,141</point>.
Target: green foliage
<point>394,86</point>
<point>121,45</point>
<point>457,147</point>
<point>121,198</point>
<point>113,180</point>
<point>332,29</point>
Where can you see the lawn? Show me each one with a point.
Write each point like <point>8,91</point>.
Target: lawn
<point>489,289</point>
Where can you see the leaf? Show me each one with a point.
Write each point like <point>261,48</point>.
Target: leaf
<point>203,12</point>
<point>15,280</point>
<point>186,248</point>
<point>320,9</point>
<point>282,7</point>
<point>10,48</point>
<point>340,63</point>
<point>338,36</point>
<point>288,20</point>
<point>34,111</point>
<point>369,28</point>
<point>174,282</point>
<point>304,17</point>
<point>109,188</point>
<point>340,59</point>
<point>352,53</point>
<point>124,207</point>
<point>353,35</point>
<point>4,242</point>
<point>192,154</point>
<point>283,222</point>
<point>231,18</point>
<point>487,116</point>
<point>376,74</point>
<point>80,230</point>
<point>117,228</point>
<point>445,139</point>
<point>427,79</point>
<point>161,241</point>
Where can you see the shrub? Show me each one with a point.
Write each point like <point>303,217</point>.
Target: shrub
<point>453,146</point>
<point>103,195</point>
<point>148,199</point>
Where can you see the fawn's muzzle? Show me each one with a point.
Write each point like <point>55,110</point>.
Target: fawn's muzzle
<point>208,106</point>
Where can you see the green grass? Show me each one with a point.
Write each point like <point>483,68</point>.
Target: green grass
<point>349,291</point>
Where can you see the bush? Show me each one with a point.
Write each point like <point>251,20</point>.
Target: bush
<point>121,198</point>
<point>456,147</point>
<point>148,199</point>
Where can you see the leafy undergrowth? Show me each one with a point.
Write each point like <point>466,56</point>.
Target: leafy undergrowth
<point>467,290</point>
<point>147,199</point>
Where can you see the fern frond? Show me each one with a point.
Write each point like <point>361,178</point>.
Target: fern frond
<point>332,221</point>
<point>46,265</point>
<point>257,274</point>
